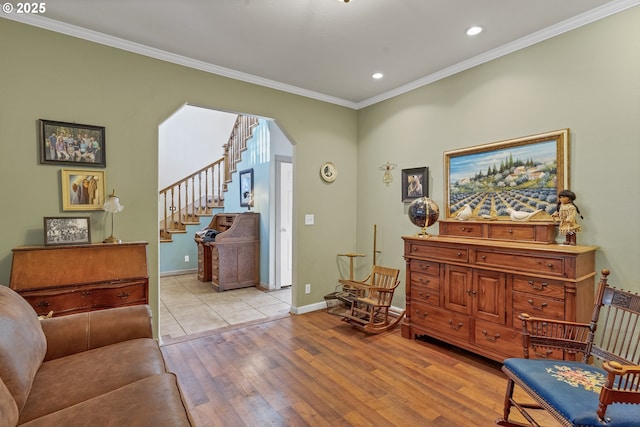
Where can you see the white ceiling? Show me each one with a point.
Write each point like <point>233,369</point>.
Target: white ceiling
<point>324,49</point>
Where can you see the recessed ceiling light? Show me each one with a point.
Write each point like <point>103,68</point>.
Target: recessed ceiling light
<point>474,30</point>
<point>377,76</point>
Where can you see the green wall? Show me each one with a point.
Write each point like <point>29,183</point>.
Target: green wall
<point>587,80</point>
<point>52,76</point>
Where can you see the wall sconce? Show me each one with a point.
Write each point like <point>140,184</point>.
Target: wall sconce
<point>387,178</point>
<point>112,205</point>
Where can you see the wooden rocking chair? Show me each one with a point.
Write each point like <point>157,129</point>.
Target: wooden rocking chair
<point>579,393</point>
<point>371,308</point>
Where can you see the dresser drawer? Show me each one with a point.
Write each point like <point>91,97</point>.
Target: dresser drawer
<point>511,232</point>
<point>461,229</point>
<point>498,338</point>
<point>421,279</point>
<point>118,295</point>
<point>67,301</point>
<point>426,267</point>
<point>440,322</point>
<point>445,253</point>
<point>539,264</point>
<point>536,306</point>
<point>427,294</point>
<point>540,287</point>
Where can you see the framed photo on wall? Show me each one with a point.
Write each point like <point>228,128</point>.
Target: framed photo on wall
<point>522,174</point>
<point>82,190</point>
<point>71,144</point>
<point>246,188</point>
<point>66,230</point>
<point>415,183</point>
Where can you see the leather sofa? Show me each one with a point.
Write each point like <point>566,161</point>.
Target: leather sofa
<point>101,368</point>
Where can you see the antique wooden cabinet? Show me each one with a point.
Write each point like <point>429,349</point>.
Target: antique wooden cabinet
<point>470,291</point>
<point>77,278</point>
<point>234,256</point>
<point>220,222</point>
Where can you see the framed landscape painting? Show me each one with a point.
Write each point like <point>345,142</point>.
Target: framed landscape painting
<point>523,174</point>
<point>65,143</point>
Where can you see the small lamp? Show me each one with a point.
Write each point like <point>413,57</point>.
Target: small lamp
<point>112,205</point>
<point>248,195</point>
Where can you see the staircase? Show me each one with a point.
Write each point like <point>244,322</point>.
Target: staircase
<point>198,194</point>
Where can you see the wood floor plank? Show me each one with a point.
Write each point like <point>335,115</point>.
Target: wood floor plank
<point>315,370</point>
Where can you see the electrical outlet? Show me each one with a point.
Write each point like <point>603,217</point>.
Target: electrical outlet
<point>307,288</point>
<point>186,258</point>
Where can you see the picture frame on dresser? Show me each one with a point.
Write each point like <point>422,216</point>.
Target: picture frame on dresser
<point>415,183</point>
<point>523,174</point>
<point>82,190</point>
<point>63,143</point>
<point>67,230</point>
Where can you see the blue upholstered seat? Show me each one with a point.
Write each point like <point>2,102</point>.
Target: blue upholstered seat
<point>572,389</point>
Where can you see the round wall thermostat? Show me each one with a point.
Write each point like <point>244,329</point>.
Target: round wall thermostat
<point>328,172</point>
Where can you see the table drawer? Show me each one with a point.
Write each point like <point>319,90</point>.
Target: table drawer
<point>426,294</point>
<point>536,306</point>
<point>511,232</point>
<point>60,302</point>
<point>500,339</point>
<point>118,295</point>
<point>445,253</point>
<point>539,264</point>
<point>426,267</point>
<point>540,287</point>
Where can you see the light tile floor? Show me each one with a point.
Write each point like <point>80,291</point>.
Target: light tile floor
<point>189,306</point>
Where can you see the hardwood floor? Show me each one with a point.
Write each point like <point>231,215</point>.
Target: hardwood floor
<point>315,370</point>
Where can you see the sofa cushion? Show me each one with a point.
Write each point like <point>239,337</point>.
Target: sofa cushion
<point>63,382</point>
<point>8,408</point>
<point>22,347</point>
<point>154,402</point>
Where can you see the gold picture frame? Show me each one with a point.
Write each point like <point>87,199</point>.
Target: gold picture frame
<point>82,190</point>
<point>523,174</point>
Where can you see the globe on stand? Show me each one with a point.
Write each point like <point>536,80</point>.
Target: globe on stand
<point>423,212</point>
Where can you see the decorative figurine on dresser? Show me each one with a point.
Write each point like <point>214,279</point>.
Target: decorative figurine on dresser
<point>567,212</point>
<point>230,257</point>
<point>77,278</point>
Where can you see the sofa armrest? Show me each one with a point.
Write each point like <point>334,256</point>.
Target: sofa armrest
<point>79,332</point>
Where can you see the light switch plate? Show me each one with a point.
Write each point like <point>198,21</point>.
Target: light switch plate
<point>309,219</point>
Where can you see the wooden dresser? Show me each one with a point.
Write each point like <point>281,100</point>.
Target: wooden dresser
<point>234,255</point>
<point>470,291</point>
<point>77,278</point>
<point>220,222</point>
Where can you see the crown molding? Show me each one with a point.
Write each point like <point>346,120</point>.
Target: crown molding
<point>588,17</point>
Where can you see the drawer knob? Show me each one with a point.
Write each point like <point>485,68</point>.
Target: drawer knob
<point>488,338</point>
<point>550,265</point>
<point>540,307</point>
<point>510,231</point>
<point>44,303</point>
<point>538,287</point>
<point>123,295</point>
<point>86,293</point>
<point>455,327</point>
<point>484,257</point>
<point>462,229</point>
<point>459,254</point>
<point>425,296</point>
<point>425,281</point>
<point>423,315</point>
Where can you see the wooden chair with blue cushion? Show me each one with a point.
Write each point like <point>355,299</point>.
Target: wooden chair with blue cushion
<point>579,393</point>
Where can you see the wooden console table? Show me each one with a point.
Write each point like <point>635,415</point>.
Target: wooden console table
<point>78,278</point>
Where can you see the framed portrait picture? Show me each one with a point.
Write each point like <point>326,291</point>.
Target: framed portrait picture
<point>415,183</point>
<point>67,230</point>
<point>246,188</point>
<point>522,174</point>
<point>82,190</point>
<point>64,143</point>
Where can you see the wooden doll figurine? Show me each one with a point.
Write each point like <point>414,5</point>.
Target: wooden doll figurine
<point>566,213</point>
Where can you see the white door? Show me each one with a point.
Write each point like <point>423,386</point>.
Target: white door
<point>284,219</point>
